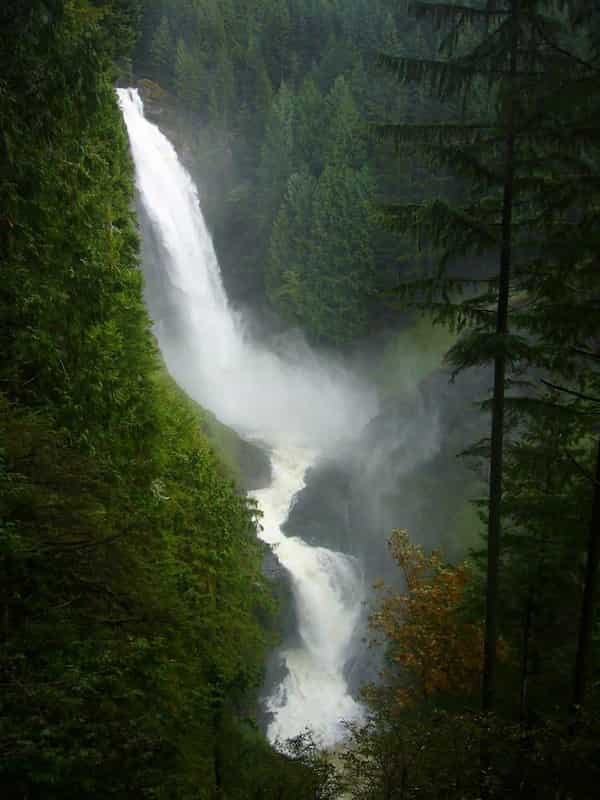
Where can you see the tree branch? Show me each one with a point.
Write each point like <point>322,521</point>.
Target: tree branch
<point>583,470</point>
<point>580,395</point>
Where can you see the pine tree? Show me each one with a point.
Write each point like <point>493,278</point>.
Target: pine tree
<point>188,77</point>
<point>162,50</point>
<point>308,126</point>
<point>278,41</point>
<point>344,143</point>
<point>321,260</point>
<point>562,289</point>
<point>224,82</point>
<point>510,48</point>
<point>277,156</point>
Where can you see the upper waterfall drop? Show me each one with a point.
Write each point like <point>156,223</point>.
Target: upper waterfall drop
<point>291,399</point>
<point>287,396</point>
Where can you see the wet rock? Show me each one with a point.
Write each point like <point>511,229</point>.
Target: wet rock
<point>403,471</point>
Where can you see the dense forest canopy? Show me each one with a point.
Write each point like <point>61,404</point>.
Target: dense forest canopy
<point>363,162</point>
<point>276,96</point>
<point>135,618</point>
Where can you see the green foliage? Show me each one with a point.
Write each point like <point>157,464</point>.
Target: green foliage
<point>265,92</point>
<point>161,49</point>
<point>135,616</point>
<point>324,222</point>
<point>188,75</point>
<point>344,145</point>
<point>436,754</point>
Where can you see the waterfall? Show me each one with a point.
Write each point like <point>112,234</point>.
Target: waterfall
<point>287,397</point>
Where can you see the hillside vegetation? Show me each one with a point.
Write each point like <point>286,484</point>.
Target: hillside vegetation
<point>271,100</point>
<point>135,618</point>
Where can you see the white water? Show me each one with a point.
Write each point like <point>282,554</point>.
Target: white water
<point>289,398</point>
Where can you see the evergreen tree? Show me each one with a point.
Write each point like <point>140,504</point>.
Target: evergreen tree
<point>344,143</point>
<point>321,259</point>
<point>161,51</point>
<point>130,573</point>
<point>503,45</point>
<point>278,41</point>
<point>188,78</point>
<point>277,157</point>
<point>308,126</point>
<point>224,86</point>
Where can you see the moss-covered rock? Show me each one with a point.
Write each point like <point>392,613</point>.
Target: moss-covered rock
<point>248,464</point>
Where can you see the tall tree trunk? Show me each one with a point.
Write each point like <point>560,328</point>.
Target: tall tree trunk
<point>590,591</point>
<point>488,687</point>
<point>523,699</point>
<point>217,755</point>
<point>497,446</point>
<point>524,789</point>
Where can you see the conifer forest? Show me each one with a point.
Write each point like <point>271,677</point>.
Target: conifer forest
<point>300,399</point>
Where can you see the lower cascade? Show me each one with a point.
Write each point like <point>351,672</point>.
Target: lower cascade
<point>288,398</point>
<point>328,592</point>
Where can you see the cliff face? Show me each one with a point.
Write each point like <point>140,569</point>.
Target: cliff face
<point>402,472</point>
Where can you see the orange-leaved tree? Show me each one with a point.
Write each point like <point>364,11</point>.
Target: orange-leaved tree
<point>436,649</point>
